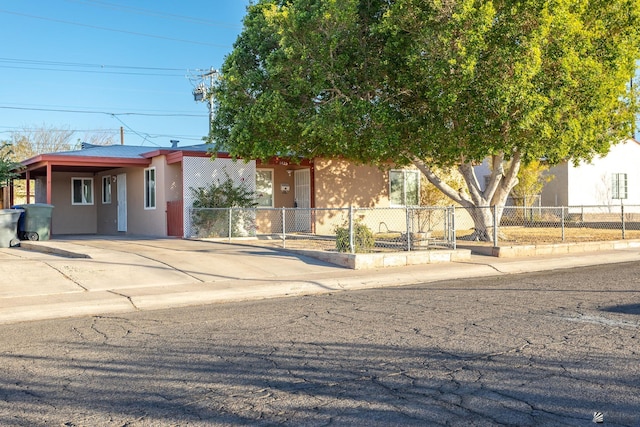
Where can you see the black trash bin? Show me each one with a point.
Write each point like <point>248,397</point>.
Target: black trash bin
<point>9,227</point>
<point>35,224</point>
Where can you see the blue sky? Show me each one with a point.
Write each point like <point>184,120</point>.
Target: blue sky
<point>95,65</point>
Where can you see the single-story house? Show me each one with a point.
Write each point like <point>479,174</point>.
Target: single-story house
<point>610,180</point>
<point>139,190</point>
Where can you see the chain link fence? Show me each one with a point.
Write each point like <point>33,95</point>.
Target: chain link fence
<point>346,230</point>
<point>539,224</point>
<point>415,228</point>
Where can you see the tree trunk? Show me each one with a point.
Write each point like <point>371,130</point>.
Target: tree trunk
<point>479,202</point>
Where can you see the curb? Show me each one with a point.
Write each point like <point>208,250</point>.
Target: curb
<point>50,248</point>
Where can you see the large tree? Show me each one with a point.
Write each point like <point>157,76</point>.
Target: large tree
<point>435,83</point>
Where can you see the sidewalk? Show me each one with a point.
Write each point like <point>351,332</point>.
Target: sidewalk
<point>105,275</point>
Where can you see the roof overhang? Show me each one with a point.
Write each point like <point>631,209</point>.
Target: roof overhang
<point>37,166</point>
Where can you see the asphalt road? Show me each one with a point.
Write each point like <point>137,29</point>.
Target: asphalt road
<point>537,349</point>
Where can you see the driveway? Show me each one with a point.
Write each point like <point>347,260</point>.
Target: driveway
<point>115,262</point>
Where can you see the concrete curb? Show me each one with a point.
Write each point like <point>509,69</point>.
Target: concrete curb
<point>49,247</point>
<point>562,248</point>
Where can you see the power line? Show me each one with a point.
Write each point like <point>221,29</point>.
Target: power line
<point>55,110</point>
<point>95,27</point>
<point>15,129</point>
<point>91,71</point>
<point>82,64</point>
<point>147,12</point>
<point>33,64</point>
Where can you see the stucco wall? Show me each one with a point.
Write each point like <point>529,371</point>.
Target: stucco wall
<point>590,184</point>
<point>554,192</point>
<point>67,218</point>
<point>146,222</point>
<point>339,183</point>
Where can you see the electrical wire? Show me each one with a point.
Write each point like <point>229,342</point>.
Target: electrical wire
<point>76,67</point>
<point>147,12</point>
<point>95,27</point>
<point>55,110</point>
<point>93,72</point>
<point>81,64</point>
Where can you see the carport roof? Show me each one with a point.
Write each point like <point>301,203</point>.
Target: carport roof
<point>97,158</point>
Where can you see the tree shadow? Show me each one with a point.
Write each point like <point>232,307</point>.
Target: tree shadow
<point>306,383</point>
<point>624,309</point>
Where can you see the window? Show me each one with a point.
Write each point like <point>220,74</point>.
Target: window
<point>150,188</point>
<point>404,187</point>
<point>619,186</point>
<point>81,191</point>
<point>106,190</point>
<point>264,188</point>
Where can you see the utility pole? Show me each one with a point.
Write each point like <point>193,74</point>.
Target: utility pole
<point>203,90</point>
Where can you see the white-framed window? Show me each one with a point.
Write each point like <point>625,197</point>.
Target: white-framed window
<point>81,191</point>
<point>264,188</point>
<point>106,190</point>
<point>150,188</point>
<point>404,187</point>
<point>619,186</point>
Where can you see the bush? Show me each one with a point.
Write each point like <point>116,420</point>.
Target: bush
<point>362,238</point>
<point>210,216</point>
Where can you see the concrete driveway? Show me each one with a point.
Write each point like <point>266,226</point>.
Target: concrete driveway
<point>104,273</point>
<point>104,262</point>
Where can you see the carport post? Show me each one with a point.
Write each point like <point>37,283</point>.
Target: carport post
<point>48,183</point>
<point>28,184</point>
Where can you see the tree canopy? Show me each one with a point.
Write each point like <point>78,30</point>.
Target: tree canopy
<point>432,82</point>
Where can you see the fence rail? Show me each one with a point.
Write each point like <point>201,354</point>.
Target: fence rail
<point>415,228</point>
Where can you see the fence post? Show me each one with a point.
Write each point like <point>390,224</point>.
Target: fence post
<point>622,215</point>
<point>351,239</point>
<point>284,230</point>
<point>230,220</point>
<point>495,226</point>
<point>408,227</point>
<point>562,221</point>
<point>452,226</point>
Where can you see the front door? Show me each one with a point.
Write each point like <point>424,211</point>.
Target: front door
<point>302,178</point>
<point>121,183</point>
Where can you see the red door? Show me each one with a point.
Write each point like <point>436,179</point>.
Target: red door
<point>175,226</point>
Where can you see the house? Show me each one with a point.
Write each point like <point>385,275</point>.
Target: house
<point>610,180</point>
<point>138,190</point>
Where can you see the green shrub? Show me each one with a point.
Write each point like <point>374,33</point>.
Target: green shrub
<point>210,216</point>
<point>362,238</point>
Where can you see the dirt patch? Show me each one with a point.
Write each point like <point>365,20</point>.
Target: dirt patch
<point>542,235</point>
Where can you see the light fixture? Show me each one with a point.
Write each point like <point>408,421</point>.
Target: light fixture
<point>289,171</point>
